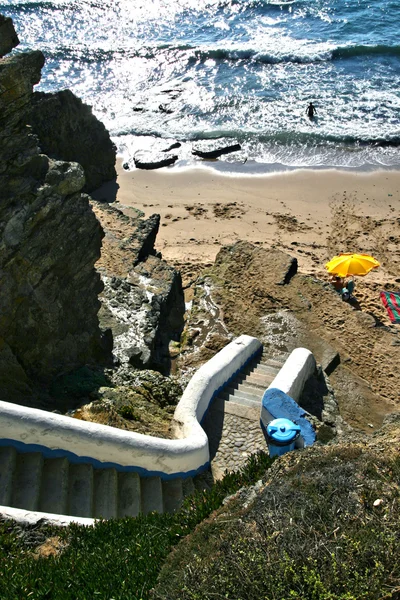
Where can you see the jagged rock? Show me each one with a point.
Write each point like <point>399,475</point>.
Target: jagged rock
<point>215,152</point>
<point>65,178</point>
<point>153,160</point>
<point>173,147</point>
<point>12,375</point>
<point>129,240</point>
<point>8,37</point>
<point>49,242</point>
<point>68,130</point>
<point>168,302</point>
<point>145,313</point>
<point>143,299</point>
<point>18,147</point>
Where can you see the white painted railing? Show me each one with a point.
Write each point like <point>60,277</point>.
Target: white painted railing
<point>105,446</point>
<point>299,366</point>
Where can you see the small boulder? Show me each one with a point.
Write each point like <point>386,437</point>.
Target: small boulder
<point>172,147</point>
<point>152,160</point>
<point>215,152</point>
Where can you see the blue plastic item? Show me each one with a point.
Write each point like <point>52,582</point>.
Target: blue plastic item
<point>281,436</point>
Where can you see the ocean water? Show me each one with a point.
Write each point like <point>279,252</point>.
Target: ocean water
<point>159,71</point>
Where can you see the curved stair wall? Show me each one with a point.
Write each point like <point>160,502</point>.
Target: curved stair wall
<point>299,366</point>
<point>56,436</point>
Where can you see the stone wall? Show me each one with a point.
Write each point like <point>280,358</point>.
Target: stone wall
<point>49,242</point>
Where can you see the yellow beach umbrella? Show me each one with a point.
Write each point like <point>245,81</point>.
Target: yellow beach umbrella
<point>351,264</point>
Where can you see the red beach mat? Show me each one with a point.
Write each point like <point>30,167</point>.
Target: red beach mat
<point>391,301</point>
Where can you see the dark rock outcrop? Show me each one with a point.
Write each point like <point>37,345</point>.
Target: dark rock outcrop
<point>132,238</point>
<point>68,130</point>
<point>173,146</point>
<point>153,160</point>
<point>8,37</point>
<point>49,242</point>
<point>215,152</point>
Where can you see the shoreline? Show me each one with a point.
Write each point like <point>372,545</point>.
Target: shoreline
<point>347,155</point>
<point>252,168</point>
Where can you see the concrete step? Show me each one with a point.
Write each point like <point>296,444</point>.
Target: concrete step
<point>105,494</point>
<point>259,379</point>
<point>172,492</point>
<point>29,482</point>
<point>255,390</point>
<point>245,402</point>
<point>260,385</point>
<point>251,380</point>
<point>267,370</point>
<point>129,499</point>
<point>80,490</point>
<point>273,362</point>
<point>151,495</point>
<point>256,378</point>
<point>26,482</point>
<point>251,401</point>
<point>8,459</point>
<point>54,486</point>
<point>231,393</point>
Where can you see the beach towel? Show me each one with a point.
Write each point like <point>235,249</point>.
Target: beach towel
<point>391,301</point>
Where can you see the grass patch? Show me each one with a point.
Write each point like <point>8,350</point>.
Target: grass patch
<point>326,529</point>
<point>116,559</point>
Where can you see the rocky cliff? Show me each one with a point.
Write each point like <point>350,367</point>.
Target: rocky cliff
<point>52,148</point>
<point>142,302</point>
<point>49,242</point>
<point>8,37</point>
<point>68,130</point>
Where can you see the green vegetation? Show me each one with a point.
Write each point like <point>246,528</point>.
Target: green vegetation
<point>116,559</point>
<point>79,384</point>
<point>327,528</point>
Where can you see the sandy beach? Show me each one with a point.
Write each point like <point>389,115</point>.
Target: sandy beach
<point>310,214</point>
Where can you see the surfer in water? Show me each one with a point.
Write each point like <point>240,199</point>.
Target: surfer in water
<point>311,110</point>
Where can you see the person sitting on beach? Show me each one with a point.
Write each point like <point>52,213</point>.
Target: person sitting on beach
<point>349,285</point>
<point>347,291</point>
<point>337,283</point>
<point>311,110</point>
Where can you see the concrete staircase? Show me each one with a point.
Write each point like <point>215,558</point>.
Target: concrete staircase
<point>250,384</point>
<point>32,482</point>
<point>232,423</point>
<point>54,485</point>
